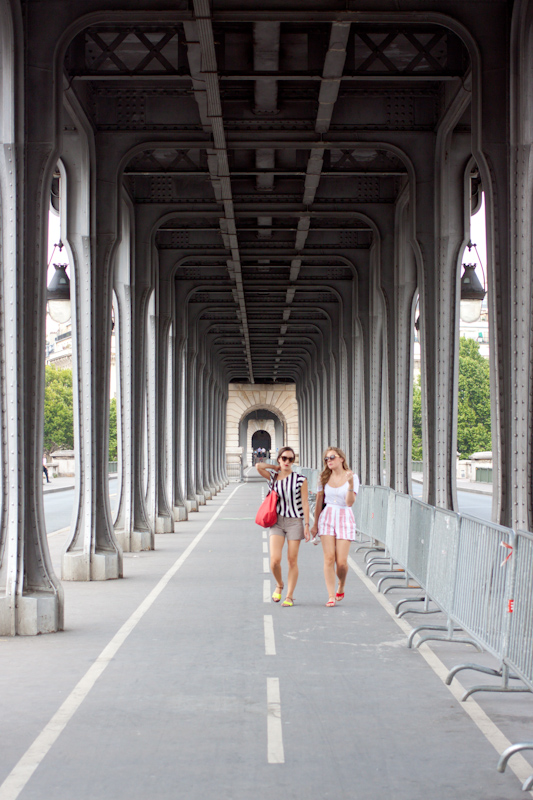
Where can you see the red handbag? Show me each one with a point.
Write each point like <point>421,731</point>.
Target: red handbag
<point>267,514</point>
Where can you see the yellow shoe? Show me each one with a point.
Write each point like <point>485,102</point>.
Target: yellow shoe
<point>288,602</point>
<point>276,597</point>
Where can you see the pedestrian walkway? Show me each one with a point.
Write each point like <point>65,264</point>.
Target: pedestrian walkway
<point>185,680</point>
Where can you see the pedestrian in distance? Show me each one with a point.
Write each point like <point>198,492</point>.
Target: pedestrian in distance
<point>335,526</point>
<point>293,519</point>
<point>45,470</point>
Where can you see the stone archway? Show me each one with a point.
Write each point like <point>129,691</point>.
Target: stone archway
<point>276,410</point>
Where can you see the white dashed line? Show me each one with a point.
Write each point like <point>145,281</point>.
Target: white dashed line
<point>266,565</point>
<point>270,642</point>
<point>266,591</point>
<point>265,547</point>
<point>275,752</point>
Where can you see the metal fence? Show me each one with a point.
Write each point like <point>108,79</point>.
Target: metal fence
<point>234,470</point>
<point>113,467</point>
<point>479,574</point>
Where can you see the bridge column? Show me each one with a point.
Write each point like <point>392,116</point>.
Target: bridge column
<point>399,284</point>
<point>164,522</point>
<point>124,531</point>
<point>212,448</point>
<point>522,239</point>
<point>371,316</point>
<point>193,498</point>
<point>93,552</point>
<point>179,503</point>
<point>31,597</point>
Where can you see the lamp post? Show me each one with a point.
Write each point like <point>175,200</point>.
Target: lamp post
<point>472,291</point>
<point>58,293</point>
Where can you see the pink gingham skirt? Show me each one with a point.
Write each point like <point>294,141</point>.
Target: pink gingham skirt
<point>337,521</point>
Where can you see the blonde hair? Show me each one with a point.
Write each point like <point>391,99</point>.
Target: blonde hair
<point>326,472</point>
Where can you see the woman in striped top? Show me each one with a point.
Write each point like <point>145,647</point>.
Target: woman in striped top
<point>293,519</point>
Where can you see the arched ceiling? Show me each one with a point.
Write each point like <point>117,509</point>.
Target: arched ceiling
<point>261,129</point>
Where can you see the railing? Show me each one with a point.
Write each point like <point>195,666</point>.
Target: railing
<point>417,466</point>
<point>234,470</point>
<point>112,467</point>
<point>479,574</point>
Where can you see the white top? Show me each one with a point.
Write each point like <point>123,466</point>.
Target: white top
<point>336,496</point>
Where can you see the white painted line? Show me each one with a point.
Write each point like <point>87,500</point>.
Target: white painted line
<point>266,568</point>
<point>265,547</point>
<point>26,766</point>
<point>266,591</point>
<point>275,752</point>
<point>264,534</point>
<point>488,728</point>
<point>270,642</point>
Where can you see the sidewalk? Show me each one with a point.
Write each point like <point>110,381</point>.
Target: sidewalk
<point>462,485</point>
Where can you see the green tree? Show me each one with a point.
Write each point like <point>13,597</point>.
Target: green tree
<point>417,422</point>
<point>58,410</point>
<point>473,419</point>
<point>113,429</point>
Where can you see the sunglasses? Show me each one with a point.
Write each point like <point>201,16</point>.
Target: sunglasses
<point>286,458</point>
<point>330,458</point>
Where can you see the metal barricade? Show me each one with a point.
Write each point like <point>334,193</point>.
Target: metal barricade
<point>420,535</point>
<point>519,655</point>
<point>442,558</point>
<point>362,510</point>
<point>482,582</point>
<point>396,537</point>
<point>380,508</point>
<point>398,532</point>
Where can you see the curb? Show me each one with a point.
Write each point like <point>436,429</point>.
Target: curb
<point>68,488</point>
<point>462,489</point>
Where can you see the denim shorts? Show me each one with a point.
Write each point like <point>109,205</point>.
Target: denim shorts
<point>290,527</point>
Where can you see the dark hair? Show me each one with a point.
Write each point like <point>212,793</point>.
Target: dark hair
<point>284,450</point>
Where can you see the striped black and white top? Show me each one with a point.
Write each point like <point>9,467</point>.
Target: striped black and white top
<point>290,494</point>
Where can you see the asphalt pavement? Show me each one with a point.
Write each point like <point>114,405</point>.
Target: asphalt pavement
<point>185,680</point>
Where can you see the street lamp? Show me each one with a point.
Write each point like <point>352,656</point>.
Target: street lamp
<point>58,293</point>
<point>472,291</point>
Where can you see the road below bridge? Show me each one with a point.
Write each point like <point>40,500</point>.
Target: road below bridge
<point>185,680</point>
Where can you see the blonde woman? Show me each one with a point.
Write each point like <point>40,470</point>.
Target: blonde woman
<point>337,488</point>
<point>293,519</point>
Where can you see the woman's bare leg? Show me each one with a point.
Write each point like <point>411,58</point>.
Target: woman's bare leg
<point>342,550</point>
<point>276,548</point>
<point>328,546</point>
<point>292,557</point>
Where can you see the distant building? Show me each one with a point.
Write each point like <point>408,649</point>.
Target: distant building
<point>59,350</point>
